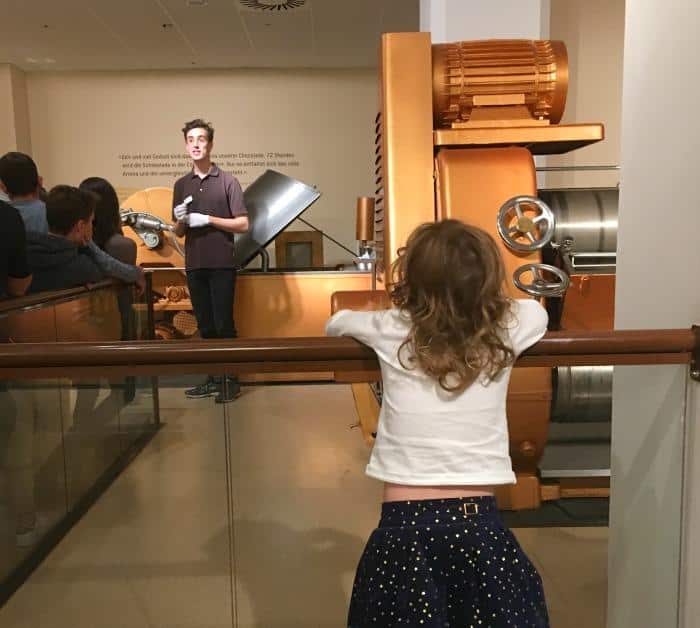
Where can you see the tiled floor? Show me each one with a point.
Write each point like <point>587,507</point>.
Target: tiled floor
<point>154,552</point>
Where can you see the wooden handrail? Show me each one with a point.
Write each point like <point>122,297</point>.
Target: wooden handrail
<point>340,355</point>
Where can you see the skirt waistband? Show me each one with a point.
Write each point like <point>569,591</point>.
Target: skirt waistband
<point>436,511</point>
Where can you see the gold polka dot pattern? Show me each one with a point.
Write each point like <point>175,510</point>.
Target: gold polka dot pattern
<point>445,563</point>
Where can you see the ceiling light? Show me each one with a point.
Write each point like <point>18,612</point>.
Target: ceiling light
<point>272,5</point>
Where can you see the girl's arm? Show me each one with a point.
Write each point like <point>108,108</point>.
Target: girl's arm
<point>363,326</point>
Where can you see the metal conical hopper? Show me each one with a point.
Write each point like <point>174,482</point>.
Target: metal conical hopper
<point>273,201</point>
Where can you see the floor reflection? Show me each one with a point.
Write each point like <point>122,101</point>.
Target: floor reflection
<point>154,551</point>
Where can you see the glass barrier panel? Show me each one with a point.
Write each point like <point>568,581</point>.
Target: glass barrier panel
<point>155,547</point>
<point>138,401</point>
<point>255,511</point>
<point>61,439</point>
<point>135,396</point>
<point>34,324</point>
<point>32,478</point>
<point>646,513</point>
<point>303,508</point>
<point>93,436</point>
<point>33,493</point>
<point>91,433</point>
<point>302,504</point>
<point>93,316</point>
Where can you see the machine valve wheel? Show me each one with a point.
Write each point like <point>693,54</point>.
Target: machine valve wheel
<point>525,223</point>
<point>547,281</point>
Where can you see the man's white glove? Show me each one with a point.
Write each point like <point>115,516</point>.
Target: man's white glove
<point>180,212</point>
<point>198,220</point>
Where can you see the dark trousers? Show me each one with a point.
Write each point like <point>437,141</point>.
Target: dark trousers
<point>212,291</point>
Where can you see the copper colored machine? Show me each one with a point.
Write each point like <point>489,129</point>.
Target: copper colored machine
<point>456,133</point>
<point>499,83</point>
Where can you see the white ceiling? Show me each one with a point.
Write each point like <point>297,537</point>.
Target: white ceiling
<point>173,34</point>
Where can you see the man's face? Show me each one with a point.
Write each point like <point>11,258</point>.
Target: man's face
<point>197,144</point>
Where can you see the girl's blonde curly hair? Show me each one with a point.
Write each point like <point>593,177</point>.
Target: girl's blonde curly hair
<point>449,279</point>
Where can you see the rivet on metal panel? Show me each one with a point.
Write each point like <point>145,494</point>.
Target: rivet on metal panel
<point>527,449</point>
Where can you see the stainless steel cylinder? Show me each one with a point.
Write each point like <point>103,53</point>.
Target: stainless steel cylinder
<point>582,394</point>
<point>587,217</point>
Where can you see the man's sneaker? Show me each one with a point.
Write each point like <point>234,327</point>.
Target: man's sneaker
<point>231,390</point>
<point>207,389</point>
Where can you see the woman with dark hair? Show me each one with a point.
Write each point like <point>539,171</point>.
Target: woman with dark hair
<point>108,233</point>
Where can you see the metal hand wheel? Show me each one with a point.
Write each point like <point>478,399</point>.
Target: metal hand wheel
<point>520,229</point>
<point>547,281</point>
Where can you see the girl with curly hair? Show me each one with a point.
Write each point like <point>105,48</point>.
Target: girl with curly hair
<point>441,555</point>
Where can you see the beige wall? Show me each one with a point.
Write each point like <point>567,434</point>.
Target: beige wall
<point>593,31</point>
<point>14,112</point>
<point>85,124</point>
<point>464,20</point>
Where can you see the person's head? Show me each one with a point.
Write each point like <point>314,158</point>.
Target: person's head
<point>107,219</point>
<point>70,212</point>
<point>199,139</point>
<point>449,278</point>
<point>19,177</point>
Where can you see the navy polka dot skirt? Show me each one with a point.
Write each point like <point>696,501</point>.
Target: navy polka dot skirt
<point>445,563</point>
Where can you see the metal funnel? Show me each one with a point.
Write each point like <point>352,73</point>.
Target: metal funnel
<point>273,201</point>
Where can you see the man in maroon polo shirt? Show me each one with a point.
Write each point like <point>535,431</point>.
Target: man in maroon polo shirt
<point>209,209</point>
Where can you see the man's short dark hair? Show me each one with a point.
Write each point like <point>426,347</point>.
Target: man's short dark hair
<point>198,123</point>
<point>66,205</point>
<point>19,174</point>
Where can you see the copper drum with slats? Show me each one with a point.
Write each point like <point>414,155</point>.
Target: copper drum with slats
<point>470,75</point>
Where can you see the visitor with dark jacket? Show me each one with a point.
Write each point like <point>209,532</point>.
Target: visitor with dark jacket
<point>60,258</point>
<point>19,178</point>
<point>15,275</point>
